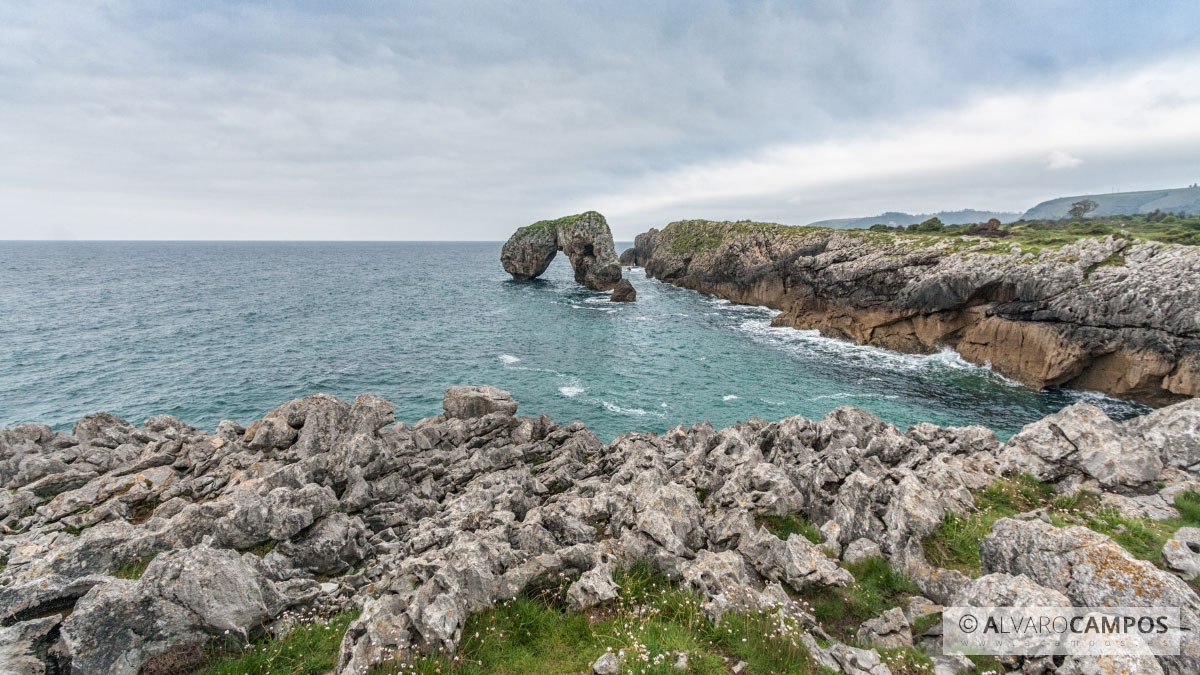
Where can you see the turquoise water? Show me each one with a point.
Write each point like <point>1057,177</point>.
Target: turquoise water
<point>209,331</point>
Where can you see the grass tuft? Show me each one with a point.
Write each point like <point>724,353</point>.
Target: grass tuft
<point>792,523</point>
<point>132,570</point>
<point>310,648</point>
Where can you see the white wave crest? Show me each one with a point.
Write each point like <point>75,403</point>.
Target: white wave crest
<point>508,358</point>
<point>729,397</point>
<point>812,343</point>
<point>613,407</point>
<point>570,391</point>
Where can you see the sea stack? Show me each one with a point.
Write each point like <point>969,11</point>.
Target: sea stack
<point>584,237</point>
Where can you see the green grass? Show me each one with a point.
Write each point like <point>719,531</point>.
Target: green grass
<point>906,661</point>
<point>694,236</point>
<point>309,649</point>
<point>652,621</point>
<point>955,544</point>
<point>546,227</point>
<point>924,623</point>
<point>132,570</point>
<point>1188,505</point>
<point>1036,237</point>
<point>985,664</point>
<point>876,588</point>
<point>792,523</point>
<point>262,549</point>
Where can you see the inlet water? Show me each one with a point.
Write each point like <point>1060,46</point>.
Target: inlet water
<point>208,331</point>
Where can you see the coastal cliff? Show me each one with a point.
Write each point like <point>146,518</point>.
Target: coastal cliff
<point>158,547</point>
<point>1111,313</point>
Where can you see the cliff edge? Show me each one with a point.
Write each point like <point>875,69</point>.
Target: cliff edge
<point>1113,313</point>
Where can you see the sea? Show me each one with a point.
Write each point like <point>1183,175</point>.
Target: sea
<point>208,331</point>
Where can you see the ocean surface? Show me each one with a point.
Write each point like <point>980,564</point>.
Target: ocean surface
<point>228,330</point>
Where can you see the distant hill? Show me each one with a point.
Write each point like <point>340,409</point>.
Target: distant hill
<point>1123,203</point>
<point>900,218</point>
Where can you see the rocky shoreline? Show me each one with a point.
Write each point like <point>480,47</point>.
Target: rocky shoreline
<point>324,504</point>
<point>1111,314</point>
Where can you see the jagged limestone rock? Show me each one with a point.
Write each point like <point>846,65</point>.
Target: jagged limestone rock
<point>468,402</point>
<point>584,238</point>
<point>421,526</point>
<point>1182,553</point>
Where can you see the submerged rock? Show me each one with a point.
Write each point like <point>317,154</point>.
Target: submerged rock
<point>584,238</point>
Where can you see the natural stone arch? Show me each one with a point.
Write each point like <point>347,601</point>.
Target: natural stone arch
<point>584,237</point>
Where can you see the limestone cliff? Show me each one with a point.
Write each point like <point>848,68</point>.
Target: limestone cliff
<point>584,238</point>
<point>1112,314</point>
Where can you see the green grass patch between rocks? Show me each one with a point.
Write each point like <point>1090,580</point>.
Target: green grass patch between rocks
<point>309,649</point>
<point>651,623</point>
<point>132,570</point>
<point>876,588</point>
<point>955,544</point>
<point>792,523</point>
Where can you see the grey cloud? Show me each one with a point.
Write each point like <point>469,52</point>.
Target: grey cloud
<point>462,120</point>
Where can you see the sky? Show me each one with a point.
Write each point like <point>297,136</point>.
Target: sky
<point>465,120</point>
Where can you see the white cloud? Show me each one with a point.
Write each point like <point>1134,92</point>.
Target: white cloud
<point>1061,159</point>
<point>996,139</point>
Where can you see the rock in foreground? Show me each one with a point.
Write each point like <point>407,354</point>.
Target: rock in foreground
<point>162,537</point>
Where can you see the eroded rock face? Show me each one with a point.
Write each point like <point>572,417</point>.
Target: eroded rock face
<point>323,504</point>
<point>584,238</point>
<point>1070,317</point>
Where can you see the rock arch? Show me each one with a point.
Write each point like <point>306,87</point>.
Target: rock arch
<point>584,237</point>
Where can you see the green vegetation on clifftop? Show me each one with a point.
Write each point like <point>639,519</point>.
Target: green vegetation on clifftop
<point>694,236</point>
<point>542,227</point>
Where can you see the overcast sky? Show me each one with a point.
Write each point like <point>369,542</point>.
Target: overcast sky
<point>449,120</point>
